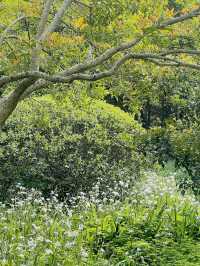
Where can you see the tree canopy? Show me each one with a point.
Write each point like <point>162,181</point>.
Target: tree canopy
<point>49,42</point>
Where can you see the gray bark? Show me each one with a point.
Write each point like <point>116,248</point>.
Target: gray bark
<point>9,103</point>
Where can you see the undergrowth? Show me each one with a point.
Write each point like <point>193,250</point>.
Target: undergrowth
<point>150,224</point>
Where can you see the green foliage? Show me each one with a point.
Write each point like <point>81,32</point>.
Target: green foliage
<point>68,143</point>
<point>103,23</point>
<point>179,144</point>
<point>186,149</point>
<point>156,146</point>
<point>156,226</point>
<point>153,226</point>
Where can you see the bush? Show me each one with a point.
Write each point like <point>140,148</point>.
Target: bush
<point>178,144</point>
<point>186,149</point>
<point>67,144</point>
<point>155,145</point>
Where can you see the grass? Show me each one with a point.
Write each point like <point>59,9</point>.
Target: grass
<point>153,225</point>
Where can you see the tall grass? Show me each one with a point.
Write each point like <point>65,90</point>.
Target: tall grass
<point>148,224</point>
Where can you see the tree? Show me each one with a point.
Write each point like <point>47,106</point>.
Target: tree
<point>94,66</point>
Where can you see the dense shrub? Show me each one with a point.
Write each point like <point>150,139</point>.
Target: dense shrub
<point>178,144</point>
<point>67,144</point>
<point>186,150</point>
<point>155,145</point>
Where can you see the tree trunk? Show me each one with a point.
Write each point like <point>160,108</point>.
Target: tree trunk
<point>7,106</point>
<point>9,103</point>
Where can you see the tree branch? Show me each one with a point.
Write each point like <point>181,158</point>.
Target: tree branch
<point>154,58</point>
<point>125,46</point>
<point>44,18</point>
<point>57,19</point>
<point>76,72</point>
<point>41,28</point>
<point>172,21</point>
<point>9,28</point>
<point>180,51</point>
<point>43,33</point>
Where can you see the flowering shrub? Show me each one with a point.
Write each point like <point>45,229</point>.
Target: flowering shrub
<point>150,224</point>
